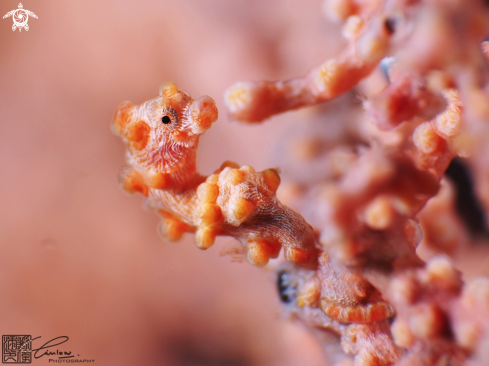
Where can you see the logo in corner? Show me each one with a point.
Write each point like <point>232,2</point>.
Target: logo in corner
<point>20,17</point>
<point>16,349</point>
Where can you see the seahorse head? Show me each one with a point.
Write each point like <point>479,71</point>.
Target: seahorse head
<point>162,134</point>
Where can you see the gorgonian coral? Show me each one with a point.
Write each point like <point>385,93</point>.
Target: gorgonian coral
<point>356,280</point>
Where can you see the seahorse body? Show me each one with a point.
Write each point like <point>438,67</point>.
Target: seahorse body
<point>162,137</point>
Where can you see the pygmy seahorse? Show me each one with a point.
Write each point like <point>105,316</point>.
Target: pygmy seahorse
<point>162,136</point>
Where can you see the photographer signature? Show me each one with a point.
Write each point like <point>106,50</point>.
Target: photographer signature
<point>44,349</point>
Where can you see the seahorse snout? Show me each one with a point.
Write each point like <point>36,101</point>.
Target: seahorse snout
<point>203,112</point>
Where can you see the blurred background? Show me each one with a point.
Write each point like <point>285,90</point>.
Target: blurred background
<point>78,256</point>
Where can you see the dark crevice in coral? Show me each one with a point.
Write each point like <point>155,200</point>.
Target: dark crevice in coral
<point>391,319</point>
<point>390,25</point>
<point>466,202</point>
<point>285,288</point>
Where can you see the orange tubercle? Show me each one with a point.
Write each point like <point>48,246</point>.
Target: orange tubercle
<point>362,314</point>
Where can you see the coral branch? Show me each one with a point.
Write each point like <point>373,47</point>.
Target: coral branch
<point>433,110</point>
<point>368,44</point>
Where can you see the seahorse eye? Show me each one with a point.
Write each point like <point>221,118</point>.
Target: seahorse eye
<point>169,115</point>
